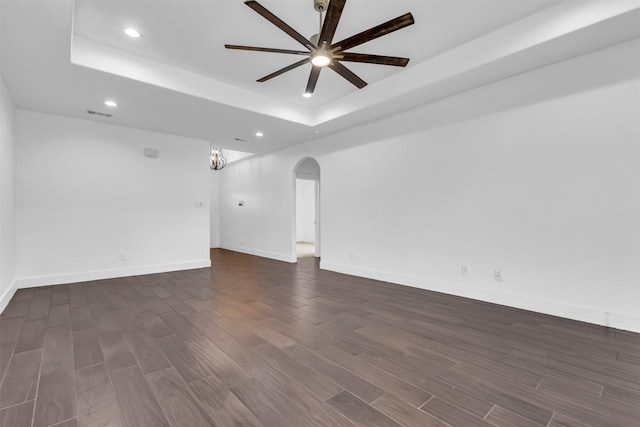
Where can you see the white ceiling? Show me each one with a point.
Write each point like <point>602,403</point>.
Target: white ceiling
<point>67,57</point>
<point>192,34</point>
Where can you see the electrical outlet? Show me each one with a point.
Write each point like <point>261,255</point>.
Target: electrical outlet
<point>121,257</point>
<point>241,240</point>
<point>464,270</point>
<point>350,255</point>
<point>497,274</point>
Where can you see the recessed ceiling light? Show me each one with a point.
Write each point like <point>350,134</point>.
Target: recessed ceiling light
<point>133,33</point>
<point>307,94</point>
<point>110,103</point>
<point>259,134</point>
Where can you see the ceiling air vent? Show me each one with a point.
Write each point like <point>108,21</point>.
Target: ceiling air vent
<point>98,113</point>
<point>240,140</point>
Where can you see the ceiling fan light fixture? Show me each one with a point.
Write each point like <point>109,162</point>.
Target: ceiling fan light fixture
<point>321,59</point>
<point>133,33</point>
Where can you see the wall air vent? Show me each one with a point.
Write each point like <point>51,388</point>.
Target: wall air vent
<point>98,113</point>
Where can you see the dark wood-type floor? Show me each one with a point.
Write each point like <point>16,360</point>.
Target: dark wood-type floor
<point>256,342</point>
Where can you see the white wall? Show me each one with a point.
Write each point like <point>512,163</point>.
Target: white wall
<point>263,226</point>
<point>537,175</point>
<point>214,208</point>
<point>86,195</point>
<point>305,210</point>
<point>7,198</point>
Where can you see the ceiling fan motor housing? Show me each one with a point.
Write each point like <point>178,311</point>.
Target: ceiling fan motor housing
<point>320,5</point>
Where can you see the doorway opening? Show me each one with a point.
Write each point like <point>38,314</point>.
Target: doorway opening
<point>306,224</point>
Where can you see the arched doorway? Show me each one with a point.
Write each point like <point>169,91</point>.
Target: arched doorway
<point>306,208</point>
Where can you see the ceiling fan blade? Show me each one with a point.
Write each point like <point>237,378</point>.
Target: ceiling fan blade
<point>331,21</point>
<point>374,59</point>
<point>265,49</point>
<point>347,74</point>
<point>375,32</point>
<point>283,70</point>
<point>278,22</point>
<point>313,79</point>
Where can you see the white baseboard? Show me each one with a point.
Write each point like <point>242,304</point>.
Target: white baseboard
<point>264,254</point>
<point>624,321</point>
<point>7,295</point>
<point>59,279</point>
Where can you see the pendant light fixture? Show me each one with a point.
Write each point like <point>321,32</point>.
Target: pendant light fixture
<point>216,159</point>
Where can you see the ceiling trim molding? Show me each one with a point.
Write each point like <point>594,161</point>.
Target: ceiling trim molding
<point>483,60</point>
<point>91,54</point>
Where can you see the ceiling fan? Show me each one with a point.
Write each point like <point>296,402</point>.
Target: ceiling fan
<point>321,51</point>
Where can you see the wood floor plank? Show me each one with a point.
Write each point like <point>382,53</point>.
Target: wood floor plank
<point>138,404</point>
<point>115,348</point>
<point>81,318</point>
<point>57,343</point>
<point>69,423</point>
<point>206,327</point>
<point>291,400</point>
<point>471,402</point>
<point>148,352</point>
<point>192,365</point>
<point>10,329</point>
<point>60,296</point>
<point>6,351</point>
<point>390,383</point>
<point>243,335</point>
<point>86,348</point>
<point>59,315</point>
<point>560,420</point>
<point>154,324</point>
<point>359,412</point>
<point>224,367</point>
<point>452,414</point>
<point>200,358</point>
<point>56,400</point>
<point>348,380</point>
<point>265,409</point>
<point>180,326</point>
<point>21,379</point>
<point>17,308</point>
<point>175,398</point>
<point>31,335</point>
<point>42,293</point>
<point>97,403</point>
<point>320,386</point>
<point>77,296</point>
<point>241,355</point>
<point>223,407</point>
<point>128,320</point>
<point>504,418</point>
<point>18,415</point>
<point>407,415</point>
<point>38,310</point>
